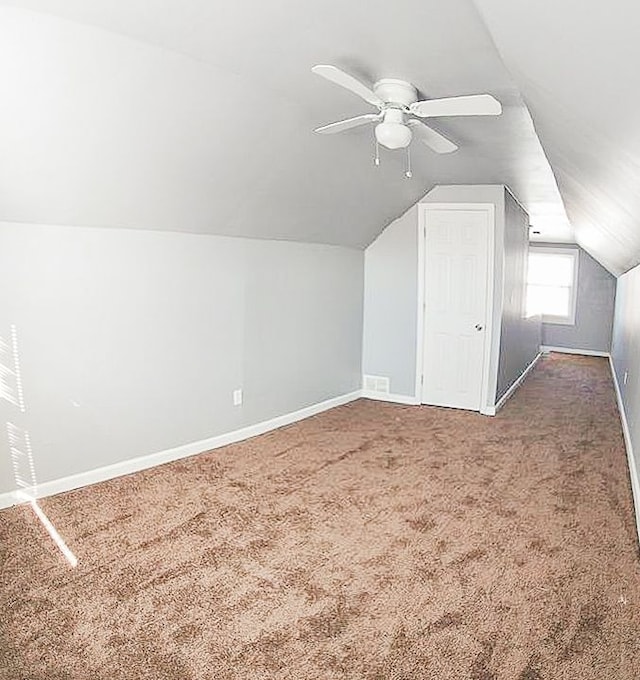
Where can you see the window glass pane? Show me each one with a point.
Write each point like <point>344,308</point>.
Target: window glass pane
<point>552,269</point>
<point>548,300</point>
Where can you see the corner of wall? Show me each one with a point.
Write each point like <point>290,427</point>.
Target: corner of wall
<point>390,304</point>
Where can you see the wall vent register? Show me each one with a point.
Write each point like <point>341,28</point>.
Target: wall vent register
<point>376,383</point>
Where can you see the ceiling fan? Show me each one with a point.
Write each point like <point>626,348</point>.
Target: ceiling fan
<point>399,110</point>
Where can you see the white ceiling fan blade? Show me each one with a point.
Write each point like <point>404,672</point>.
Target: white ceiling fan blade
<point>335,75</point>
<point>471,105</point>
<point>434,140</point>
<point>348,123</point>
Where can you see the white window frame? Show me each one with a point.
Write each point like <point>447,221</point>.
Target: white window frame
<point>570,319</point>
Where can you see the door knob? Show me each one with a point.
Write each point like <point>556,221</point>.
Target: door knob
<point>478,327</point>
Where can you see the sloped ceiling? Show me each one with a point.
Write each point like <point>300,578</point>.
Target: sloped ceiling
<point>576,64</point>
<point>197,116</point>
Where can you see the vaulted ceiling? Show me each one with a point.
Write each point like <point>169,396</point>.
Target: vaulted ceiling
<point>576,64</point>
<point>196,116</point>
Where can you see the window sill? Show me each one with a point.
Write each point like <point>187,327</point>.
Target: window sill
<point>558,321</point>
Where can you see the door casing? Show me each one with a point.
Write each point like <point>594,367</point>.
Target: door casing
<point>491,347</point>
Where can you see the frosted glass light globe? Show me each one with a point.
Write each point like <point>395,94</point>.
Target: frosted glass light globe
<point>393,135</point>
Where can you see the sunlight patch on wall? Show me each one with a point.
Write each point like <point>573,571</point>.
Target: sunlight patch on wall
<point>10,378</point>
<point>20,451</point>
<point>21,454</point>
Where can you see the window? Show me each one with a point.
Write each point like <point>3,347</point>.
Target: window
<point>552,277</point>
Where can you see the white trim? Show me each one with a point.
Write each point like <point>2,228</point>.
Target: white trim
<point>143,462</point>
<point>503,399</point>
<point>486,402</point>
<point>570,350</point>
<point>393,398</point>
<point>422,239</point>
<point>8,499</point>
<point>631,461</point>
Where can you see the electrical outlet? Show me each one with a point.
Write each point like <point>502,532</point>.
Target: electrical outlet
<point>237,397</point>
<point>626,376</point>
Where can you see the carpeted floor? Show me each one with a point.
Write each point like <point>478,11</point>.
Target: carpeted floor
<point>373,542</point>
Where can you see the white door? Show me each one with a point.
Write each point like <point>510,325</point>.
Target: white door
<point>456,267</point>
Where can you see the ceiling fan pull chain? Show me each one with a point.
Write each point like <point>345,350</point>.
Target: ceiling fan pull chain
<point>376,160</point>
<point>408,174</point>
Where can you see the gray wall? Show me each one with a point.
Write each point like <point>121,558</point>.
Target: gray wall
<point>132,342</point>
<point>625,351</point>
<point>391,284</point>
<point>391,305</point>
<point>594,308</point>
<point>391,290</point>
<point>520,336</point>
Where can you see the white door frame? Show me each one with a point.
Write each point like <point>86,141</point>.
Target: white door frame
<point>487,403</point>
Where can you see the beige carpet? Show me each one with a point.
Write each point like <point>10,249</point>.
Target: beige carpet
<point>374,541</point>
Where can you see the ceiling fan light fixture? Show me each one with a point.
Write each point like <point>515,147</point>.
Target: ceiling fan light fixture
<point>393,135</point>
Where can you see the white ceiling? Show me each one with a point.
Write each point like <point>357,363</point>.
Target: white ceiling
<point>576,65</point>
<point>198,116</point>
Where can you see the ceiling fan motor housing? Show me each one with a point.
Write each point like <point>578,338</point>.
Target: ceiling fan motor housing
<point>393,91</point>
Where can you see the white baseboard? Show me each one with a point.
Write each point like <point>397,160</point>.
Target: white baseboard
<point>633,470</point>
<point>8,499</point>
<point>492,410</point>
<point>143,462</point>
<point>570,350</point>
<point>393,398</point>
<point>503,399</point>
